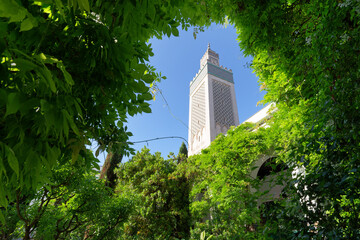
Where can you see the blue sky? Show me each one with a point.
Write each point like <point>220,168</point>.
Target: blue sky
<point>178,58</point>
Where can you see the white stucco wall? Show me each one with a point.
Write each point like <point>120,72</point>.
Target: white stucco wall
<point>263,113</point>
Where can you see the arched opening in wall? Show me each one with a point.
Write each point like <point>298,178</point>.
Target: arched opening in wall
<point>270,166</point>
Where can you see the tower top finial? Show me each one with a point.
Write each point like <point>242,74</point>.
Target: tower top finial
<point>209,56</point>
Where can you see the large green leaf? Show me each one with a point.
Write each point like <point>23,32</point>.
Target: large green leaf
<point>13,103</point>
<point>46,75</point>
<point>147,96</point>
<point>84,4</point>
<point>12,160</point>
<point>67,75</point>
<point>175,31</point>
<point>28,24</point>
<point>25,64</point>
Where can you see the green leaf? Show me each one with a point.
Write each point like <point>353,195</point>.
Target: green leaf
<point>26,25</point>
<point>120,124</point>
<point>12,160</point>
<point>84,5</point>
<point>71,121</point>
<point>131,110</point>
<point>78,108</point>
<point>100,149</point>
<point>147,96</point>
<point>46,75</point>
<point>25,65</point>
<point>168,31</point>
<point>148,78</point>
<point>139,71</point>
<point>65,126</point>
<point>202,235</point>
<point>51,154</point>
<point>13,103</point>
<point>141,87</point>
<point>146,109</point>
<point>175,31</point>
<point>67,75</point>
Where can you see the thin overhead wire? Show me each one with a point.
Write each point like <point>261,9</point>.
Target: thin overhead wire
<point>169,109</point>
<point>159,138</point>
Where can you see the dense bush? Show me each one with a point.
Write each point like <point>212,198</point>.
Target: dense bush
<point>161,194</point>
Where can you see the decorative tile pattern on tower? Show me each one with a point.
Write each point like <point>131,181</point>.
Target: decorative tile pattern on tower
<point>223,107</point>
<point>198,109</point>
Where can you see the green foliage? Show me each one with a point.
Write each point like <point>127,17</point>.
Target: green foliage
<point>73,205</point>
<point>310,67</point>
<point>306,54</point>
<point>183,153</point>
<point>183,149</point>
<point>162,197</point>
<point>222,203</point>
<point>71,72</point>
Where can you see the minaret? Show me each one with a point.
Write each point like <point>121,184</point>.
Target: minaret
<point>213,106</point>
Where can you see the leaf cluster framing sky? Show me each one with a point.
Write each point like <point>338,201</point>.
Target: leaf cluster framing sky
<point>178,58</point>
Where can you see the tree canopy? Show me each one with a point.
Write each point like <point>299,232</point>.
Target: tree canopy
<point>162,197</point>
<point>71,72</point>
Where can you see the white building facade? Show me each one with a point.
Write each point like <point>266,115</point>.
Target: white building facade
<point>213,107</point>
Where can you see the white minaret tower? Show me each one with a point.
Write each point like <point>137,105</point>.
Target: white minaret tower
<point>213,106</point>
